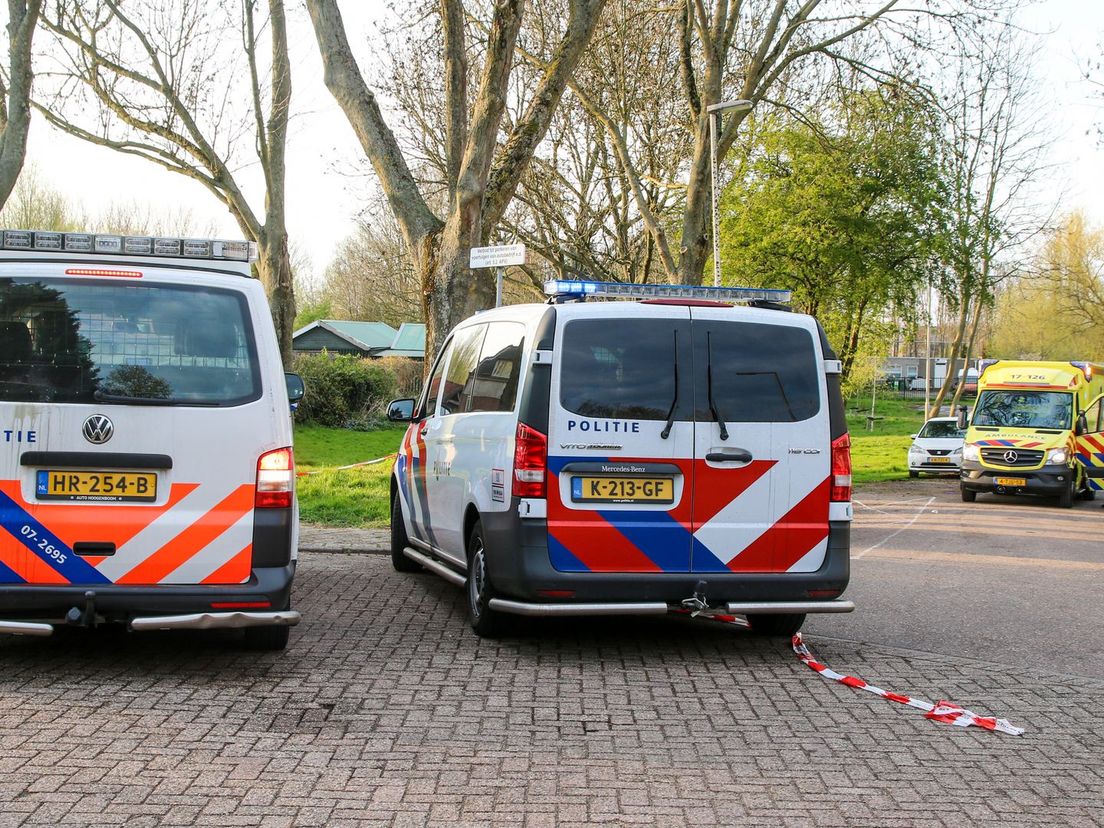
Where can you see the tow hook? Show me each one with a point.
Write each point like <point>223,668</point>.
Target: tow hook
<point>697,603</point>
<point>86,617</point>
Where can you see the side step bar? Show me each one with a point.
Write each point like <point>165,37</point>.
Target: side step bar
<point>660,608</point>
<point>217,620</point>
<point>778,607</point>
<point>446,572</point>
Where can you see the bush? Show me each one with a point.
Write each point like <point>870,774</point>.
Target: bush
<point>407,372</point>
<point>343,391</point>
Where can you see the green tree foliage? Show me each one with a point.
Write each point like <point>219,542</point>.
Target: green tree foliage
<point>1059,314</point>
<point>342,391</point>
<point>843,211</point>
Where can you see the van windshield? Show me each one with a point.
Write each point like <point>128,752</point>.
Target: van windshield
<point>1024,409</point>
<point>95,341</point>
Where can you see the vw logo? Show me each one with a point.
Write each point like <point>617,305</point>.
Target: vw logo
<point>1011,457</point>
<point>98,429</point>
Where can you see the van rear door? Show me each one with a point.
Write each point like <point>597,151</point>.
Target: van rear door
<point>138,420</point>
<point>762,443</point>
<point>620,440</point>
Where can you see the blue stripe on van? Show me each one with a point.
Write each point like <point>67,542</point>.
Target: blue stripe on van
<point>663,539</point>
<point>8,576</point>
<point>704,560</point>
<point>32,534</point>
<point>562,559</point>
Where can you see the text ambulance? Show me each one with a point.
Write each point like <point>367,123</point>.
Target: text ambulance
<point>146,471</point>
<point>1037,429</point>
<point>630,457</point>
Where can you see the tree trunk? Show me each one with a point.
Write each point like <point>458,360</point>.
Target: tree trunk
<point>274,270</point>
<point>956,347</point>
<point>967,354</point>
<point>15,98</point>
<point>696,220</point>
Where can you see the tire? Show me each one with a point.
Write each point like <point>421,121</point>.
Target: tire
<point>486,622</point>
<point>1087,493</point>
<point>399,540</point>
<point>776,625</point>
<point>913,473</point>
<point>968,495</point>
<point>1065,499</point>
<point>267,639</point>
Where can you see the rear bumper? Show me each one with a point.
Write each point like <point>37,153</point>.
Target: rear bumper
<point>1049,481</point>
<point>268,591</point>
<point>520,571</point>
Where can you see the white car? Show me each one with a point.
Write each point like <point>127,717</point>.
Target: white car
<point>937,448</point>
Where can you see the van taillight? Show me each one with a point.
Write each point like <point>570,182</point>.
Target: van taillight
<point>530,462</point>
<point>275,479</point>
<point>841,469</point>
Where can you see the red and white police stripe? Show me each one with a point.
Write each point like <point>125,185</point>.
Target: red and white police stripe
<point>941,711</point>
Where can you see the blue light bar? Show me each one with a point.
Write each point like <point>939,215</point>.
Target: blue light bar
<point>619,290</point>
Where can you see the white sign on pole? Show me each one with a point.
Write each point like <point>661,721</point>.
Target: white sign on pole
<point>501,256</point>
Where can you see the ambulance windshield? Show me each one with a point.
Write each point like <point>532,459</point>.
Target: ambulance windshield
<point>149,344</point>
<point>1024,409</point>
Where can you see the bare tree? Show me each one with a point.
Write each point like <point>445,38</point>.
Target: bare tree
<point>995,153</point>
<point>482,172</point>
<point>15,92</point>
<point>166,84</point>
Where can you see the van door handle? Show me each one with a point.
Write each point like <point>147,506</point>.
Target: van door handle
<point>734,455</point>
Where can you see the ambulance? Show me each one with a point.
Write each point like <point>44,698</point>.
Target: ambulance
<point>146,467</point>
<point>630,450</point>
<point>1037,428</point>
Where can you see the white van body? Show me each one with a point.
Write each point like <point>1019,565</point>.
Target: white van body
<point>650,492</point>
<point>146,473</point>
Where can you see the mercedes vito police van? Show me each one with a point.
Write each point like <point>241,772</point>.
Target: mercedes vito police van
<point>674,451</point>
<point>146,470</point>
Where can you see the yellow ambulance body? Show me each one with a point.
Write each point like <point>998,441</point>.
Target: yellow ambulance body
<point>1036,428</point>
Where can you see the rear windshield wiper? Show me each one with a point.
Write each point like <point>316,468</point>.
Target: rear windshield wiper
<point>105,396</point>
<point>709,384</point>
<point>671,412</point>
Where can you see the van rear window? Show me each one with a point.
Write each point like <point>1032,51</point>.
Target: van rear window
<point>81,342</point>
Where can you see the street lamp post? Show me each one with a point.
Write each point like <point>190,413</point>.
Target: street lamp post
<point>714,111</point>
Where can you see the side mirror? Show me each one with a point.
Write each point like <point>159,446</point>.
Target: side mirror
<point>295,388</point>
<point>960,420</point>
<point>914,436</point>
<point>1082,426</point>
<point>400,411</point>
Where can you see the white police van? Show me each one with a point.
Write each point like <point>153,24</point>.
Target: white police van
<point>630,457</point>
<point>146,468</point>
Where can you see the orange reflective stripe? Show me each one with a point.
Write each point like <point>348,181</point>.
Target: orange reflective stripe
<point>234,571</point>
<point>193,539</point>
<point>26,564</point>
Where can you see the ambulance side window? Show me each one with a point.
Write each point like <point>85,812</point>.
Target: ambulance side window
<point>428,405</point>
<point>1094,416</point>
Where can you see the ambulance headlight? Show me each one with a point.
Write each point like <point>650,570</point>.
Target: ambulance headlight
<point>1057,457</point>
<point>971,452</point>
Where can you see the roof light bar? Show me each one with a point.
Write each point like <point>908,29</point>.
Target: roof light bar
<point>619,290</point>
<point>112,245</point>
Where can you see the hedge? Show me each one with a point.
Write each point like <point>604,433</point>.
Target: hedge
<point>344,391</point>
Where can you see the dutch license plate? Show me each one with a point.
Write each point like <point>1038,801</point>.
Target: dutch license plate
<point>1010,481</point>
<point>100,487</point>
<point>623,489</point>
<point>939,459</point>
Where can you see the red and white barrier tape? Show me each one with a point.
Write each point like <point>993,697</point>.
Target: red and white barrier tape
<point>942,711</point>
<point>350,466</point>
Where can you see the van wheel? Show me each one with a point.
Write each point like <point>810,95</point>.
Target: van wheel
<point>776,625</point>
<point>913,473</point>
<point>399,540</point>
<point>267,639</point>
<point>968,495</point>
<point>1065,499</point>
<point>485,621</point>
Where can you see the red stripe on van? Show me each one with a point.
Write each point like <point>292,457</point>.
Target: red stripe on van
<point>791,538</point>
<point>192,540</point>
<point>600,547</point>
<point>24,563</point>
<point>715,488</point>
<point>234,571</point>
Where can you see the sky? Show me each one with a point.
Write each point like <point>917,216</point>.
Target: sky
<point>326,168</point>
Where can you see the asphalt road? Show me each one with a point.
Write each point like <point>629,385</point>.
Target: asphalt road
<point>1010,580</point>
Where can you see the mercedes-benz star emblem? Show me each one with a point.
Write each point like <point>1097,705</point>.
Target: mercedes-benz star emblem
<point>98,429</point>
<point>1011,457</point>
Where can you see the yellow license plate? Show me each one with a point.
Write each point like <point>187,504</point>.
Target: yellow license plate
<point>623,489</point>
<point>99,487</point>
<point>939,459</point>
<point>1010,481</point>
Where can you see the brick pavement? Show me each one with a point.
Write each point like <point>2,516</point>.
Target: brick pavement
<point>387,710</point>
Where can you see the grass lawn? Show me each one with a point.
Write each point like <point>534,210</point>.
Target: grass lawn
<point>359,496</point>
<point>347,497</point>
